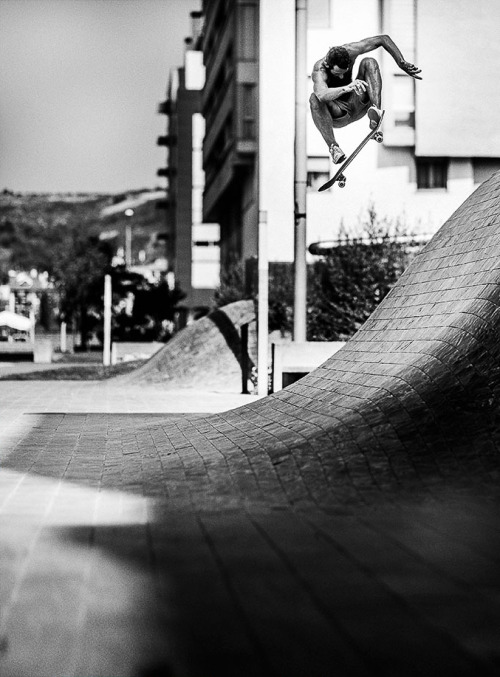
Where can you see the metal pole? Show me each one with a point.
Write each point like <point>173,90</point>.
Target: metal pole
<point>128,238</point>
<point>128,245</point>
<point>106,354</point>
<point>262,315</point>
<point>244,358</point>
<point>64,343</point>
<point>32,327</point>
<point>300,184</point>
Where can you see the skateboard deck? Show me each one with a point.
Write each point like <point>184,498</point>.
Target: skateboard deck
<point>339,176</point>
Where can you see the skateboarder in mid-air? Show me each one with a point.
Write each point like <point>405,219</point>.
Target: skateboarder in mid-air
<point>339,100</point>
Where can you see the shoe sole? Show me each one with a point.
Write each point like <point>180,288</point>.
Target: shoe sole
<point>373,116</point>
<point>339,159</point>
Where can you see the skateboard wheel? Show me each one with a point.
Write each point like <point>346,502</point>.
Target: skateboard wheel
<point>342,181</point>
<point>378,137</point>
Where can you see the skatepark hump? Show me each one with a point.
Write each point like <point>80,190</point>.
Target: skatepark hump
<point>413,397</point>
<point>205,355</point>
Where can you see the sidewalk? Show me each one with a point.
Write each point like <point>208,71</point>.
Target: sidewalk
<point>137,543</point>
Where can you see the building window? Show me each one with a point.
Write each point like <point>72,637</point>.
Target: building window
<point>316,179</point>
<point>318,171</point>
<point>403,101</point>
<point>248,117</point>
<point>404,119</point>
<point>432,172</point>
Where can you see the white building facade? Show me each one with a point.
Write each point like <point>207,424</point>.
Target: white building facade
<point>441,138</point>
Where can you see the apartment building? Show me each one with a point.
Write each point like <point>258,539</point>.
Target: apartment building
<point>192,245</point>
<point>230,109</point>
<point>440,136</point>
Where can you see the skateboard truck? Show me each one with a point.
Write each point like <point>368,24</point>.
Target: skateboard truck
<point>339,176</point>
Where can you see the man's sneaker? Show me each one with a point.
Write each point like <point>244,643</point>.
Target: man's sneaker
<point>374,115</point>
<point>337,154</point>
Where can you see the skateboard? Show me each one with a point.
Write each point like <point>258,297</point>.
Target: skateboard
<point>339,175</point>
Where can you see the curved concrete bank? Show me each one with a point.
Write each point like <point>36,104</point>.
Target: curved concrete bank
<point>206,354</point>
<point>417,388</point>
<point>348,525</point>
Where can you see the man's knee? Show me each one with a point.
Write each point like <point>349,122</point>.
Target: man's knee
<point>368,64</point>
<point>314,102</point>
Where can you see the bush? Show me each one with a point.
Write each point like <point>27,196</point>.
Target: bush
<point>351,279</point>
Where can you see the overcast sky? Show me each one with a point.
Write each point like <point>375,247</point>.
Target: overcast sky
<point>80,82</point>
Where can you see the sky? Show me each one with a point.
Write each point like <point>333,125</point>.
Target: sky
<point>80,84</point>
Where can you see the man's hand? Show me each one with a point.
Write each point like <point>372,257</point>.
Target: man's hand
<point>358,86</point>
<point>410,69</point>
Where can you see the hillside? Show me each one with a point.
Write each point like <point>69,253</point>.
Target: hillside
<point>31,225</point>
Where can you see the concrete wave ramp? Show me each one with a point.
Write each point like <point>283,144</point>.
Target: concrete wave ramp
<point>206,354</point>
<point>414,395</point>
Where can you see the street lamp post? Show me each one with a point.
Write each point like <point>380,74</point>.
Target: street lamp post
<point>128,238</point>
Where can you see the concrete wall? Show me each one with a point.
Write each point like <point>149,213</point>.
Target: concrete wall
<point>459,99</point>
<point>249,213</point>
<point>276,123</point>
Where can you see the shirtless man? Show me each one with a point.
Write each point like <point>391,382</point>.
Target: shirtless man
<point>339,100</point>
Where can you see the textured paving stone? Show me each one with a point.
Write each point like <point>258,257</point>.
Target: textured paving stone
<point>348,525</point>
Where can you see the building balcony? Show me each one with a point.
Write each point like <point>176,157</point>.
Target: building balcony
<point>215,124</point>
<point>237,156</point>
<point>165,107</point>
<point>217,61</point>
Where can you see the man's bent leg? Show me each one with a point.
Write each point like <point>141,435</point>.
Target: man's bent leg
<point>369,71</point>
<point>323,120</point>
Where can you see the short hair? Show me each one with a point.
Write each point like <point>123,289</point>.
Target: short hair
<point>337,56</point>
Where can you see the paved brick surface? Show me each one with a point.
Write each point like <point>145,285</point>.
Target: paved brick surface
<point>348,525</point>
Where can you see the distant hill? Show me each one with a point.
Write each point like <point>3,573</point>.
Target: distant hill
<point>31,222</point>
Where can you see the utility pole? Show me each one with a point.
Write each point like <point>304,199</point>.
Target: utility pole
<point>300,183</point>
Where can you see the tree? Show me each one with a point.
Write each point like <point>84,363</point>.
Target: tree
<point>239,281</point>
<point>79,278</point>
<point>346,284</point>
<point>232,284</point>
<point>143,310</point>
<point>60,235</point>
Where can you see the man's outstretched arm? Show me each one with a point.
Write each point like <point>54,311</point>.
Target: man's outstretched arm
<point>355,49</point>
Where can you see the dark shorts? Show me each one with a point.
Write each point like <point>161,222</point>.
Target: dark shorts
<point>354,107</point>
